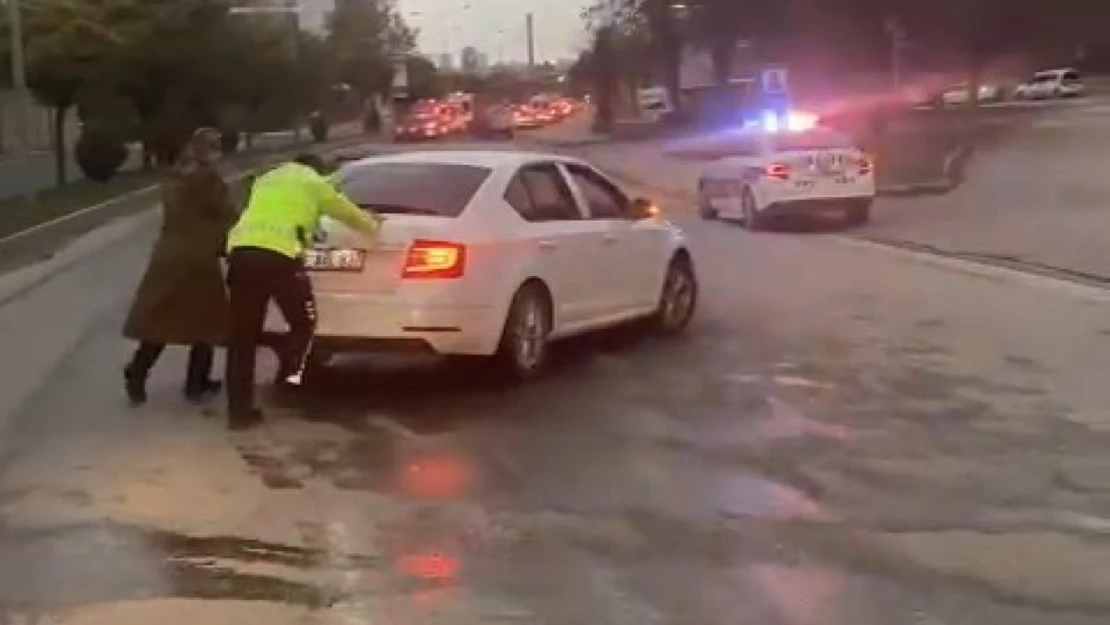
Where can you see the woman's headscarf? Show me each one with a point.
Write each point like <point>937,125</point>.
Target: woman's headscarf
<point>201,150</point>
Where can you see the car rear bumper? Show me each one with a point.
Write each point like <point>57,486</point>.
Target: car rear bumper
<point>813,206</point>
<point>367,323</point>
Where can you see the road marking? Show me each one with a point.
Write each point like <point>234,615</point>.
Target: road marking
<point>981,269</point>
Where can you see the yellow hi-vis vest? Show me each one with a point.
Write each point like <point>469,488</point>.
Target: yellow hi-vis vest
<point>285,208</point>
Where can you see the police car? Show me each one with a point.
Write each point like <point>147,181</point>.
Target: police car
<point>790,166</point>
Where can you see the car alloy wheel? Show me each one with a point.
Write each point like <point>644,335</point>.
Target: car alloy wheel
<point>524,344</point>
<point>704,208</point>
<point>749,210</point>
<point>679,297</point>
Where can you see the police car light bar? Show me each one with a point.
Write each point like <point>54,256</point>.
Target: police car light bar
<point>792,121</point>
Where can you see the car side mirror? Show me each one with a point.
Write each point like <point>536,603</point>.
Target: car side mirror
<point>643,208</point>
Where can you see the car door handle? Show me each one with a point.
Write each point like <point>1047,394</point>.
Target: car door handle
<point>547,245</point>
<point>610,238</point>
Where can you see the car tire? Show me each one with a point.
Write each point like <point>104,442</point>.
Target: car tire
<point>752,221</point>
<point>858,213</point>
<point>678,299</point>
<point>523,349</point>
<point>704,209</point>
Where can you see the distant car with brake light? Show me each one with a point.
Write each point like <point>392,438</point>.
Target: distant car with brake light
<point>494,122</point>
<point>802,168</point>
<point>525,117</point>
<point>492,254</point>
<point>421,126</point>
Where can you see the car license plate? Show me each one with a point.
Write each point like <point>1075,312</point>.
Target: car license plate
<point>335,259</point>
<point>803,184</point>
<point>845,180</point>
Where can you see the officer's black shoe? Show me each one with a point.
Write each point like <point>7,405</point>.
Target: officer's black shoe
<point>240,421</point>
<point>135,385</point>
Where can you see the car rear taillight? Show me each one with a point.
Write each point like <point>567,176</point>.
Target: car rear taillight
<point>434,260</point>
<point>778,171</point>
<point>866,165</point>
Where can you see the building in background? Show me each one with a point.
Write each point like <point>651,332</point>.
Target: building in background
<point>469,60</point>
<point>446,62</point>
<point>483,63</point>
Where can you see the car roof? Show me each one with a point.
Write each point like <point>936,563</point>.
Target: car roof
<point>493,159</point>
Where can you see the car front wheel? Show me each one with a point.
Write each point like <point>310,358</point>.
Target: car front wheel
<point>523,349</point>
<point>679,298</point>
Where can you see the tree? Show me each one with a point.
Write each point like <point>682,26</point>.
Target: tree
<point>69,46</point>
<point>364,39</point>
<point>424,79</point>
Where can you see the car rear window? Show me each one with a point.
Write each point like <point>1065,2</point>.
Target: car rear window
<point>441,189</point>
<point>812,140</point>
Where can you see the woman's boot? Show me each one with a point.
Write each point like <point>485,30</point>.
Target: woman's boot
<point>137,371</point>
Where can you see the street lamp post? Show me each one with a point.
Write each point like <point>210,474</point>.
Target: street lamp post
<point>288,7</point>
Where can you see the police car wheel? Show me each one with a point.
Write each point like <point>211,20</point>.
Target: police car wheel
<point>678,299</point>
<point>704,209</point>
<point>859,212</point>
<point>752,220</point>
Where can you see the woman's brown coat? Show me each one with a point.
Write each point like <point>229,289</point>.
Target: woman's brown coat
<point>182,298</point>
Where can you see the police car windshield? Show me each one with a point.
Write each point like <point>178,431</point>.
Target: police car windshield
<point>439,189</point>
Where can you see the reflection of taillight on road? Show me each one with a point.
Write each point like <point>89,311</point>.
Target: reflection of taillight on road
<point>778,171</point>
<point>434,260</point>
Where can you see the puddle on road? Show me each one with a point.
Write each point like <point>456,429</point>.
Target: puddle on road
<point>85,564</point>
<point>751,496</point>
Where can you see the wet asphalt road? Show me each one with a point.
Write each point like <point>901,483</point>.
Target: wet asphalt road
<point>844,437</point>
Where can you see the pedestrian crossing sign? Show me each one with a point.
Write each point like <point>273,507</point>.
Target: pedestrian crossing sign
<point>774,80</point>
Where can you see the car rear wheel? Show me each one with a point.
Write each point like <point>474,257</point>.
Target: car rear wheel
<point>752,220</point>
<point>859,212</point>
<point>679,298</point>
<point>523,349</point>
<point>704,208</point>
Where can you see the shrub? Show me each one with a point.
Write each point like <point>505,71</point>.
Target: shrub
<point>100,153</point>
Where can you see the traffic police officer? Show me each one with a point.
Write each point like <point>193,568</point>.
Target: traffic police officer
<point>265,261</point>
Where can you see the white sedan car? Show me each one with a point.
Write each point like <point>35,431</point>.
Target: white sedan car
<point>492,253</point>
<point>1053,83</point>
<point>758,175</point>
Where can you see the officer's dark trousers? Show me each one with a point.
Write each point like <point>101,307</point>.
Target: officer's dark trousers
<point>255,276</point>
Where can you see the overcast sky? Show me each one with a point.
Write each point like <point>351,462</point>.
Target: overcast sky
<point>496,27</point>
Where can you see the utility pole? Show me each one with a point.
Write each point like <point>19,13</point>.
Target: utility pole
<point>19,75</point>
<point>530,28</point>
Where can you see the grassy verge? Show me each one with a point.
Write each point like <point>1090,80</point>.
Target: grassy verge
<point>18,214</point>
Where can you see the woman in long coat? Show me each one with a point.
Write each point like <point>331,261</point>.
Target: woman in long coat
<point>182,298</point>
